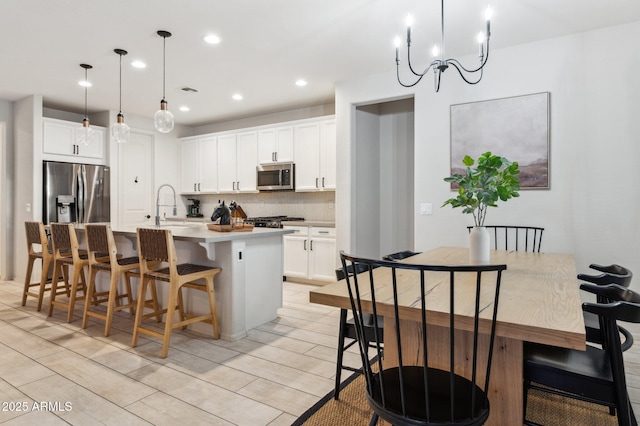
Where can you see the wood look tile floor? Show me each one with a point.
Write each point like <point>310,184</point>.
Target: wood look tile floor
<point>52,372</point>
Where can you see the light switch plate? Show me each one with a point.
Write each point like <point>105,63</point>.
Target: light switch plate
<point>426,208</point>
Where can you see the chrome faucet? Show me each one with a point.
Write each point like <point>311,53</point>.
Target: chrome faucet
<point>175,208</point>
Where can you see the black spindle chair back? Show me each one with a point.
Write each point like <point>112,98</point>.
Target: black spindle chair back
<point>407,394</point>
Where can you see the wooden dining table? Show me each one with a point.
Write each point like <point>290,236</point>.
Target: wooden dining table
<point>539,302</point>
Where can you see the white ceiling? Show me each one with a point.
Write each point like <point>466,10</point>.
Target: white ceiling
<point>266,45</point>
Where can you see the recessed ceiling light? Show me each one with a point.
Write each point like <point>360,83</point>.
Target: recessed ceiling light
<point>211,39</point>
<point>84,83</point>
<point>301,83</point>
<point>184,108</point>
<point>138,64</point>
<point>237,97</point>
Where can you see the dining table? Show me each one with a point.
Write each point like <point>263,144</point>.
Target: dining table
<point>539,302</point>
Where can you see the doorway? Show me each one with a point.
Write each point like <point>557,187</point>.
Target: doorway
<point>384,178</point>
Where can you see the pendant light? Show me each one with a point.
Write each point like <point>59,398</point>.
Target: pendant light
<point>119,130</point>
<point>84,134</point>
<point>163,118</point>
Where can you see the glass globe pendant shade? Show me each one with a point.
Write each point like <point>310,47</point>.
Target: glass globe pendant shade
<point>163,118</point>
<point>85,134</point>
<point>119,130</point>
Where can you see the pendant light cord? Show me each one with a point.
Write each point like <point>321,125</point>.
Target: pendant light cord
<point>164,65</point>
<point>86,82</point>
<point>120,106</point>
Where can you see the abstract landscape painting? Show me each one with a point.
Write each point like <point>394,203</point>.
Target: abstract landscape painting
<point>516,128</point>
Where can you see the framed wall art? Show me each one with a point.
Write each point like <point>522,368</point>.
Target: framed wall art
<point>516,128</point>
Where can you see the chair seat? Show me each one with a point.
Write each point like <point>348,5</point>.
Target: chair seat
<point>439,397</point>
<point>183,269</point>
<point>593,365</point>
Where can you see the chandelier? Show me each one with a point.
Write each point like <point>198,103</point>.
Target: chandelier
<point>440,63</point>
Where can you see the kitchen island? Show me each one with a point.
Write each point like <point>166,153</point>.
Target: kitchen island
<point>249,288</point>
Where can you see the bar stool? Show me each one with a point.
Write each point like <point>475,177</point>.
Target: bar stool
<point>156,245</point>
<point>37,236</point>
<point>100,240</point>
<point>65,241</point>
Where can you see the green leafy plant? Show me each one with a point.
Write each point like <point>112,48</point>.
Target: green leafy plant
<point>494,178</point>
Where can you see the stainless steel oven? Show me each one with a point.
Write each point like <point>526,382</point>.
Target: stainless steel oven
<point>276,177</point>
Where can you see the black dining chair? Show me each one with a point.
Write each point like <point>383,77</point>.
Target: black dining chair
<point>595,375</point>
<point>611,274</point>
<point>400,255</point>
<point>514,237</point>
<point>409,394</point>
<point>347,335</point>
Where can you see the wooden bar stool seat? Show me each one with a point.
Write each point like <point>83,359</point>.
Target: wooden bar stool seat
<point>37,236</point>
<point>100,240</point>
<point>65,241</point>
<point>156,245</point>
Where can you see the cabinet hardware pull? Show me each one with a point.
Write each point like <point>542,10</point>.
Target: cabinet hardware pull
<point>317,183</point>
<point>311,245</point>
<point>323,232</point>
<point>276,154</point>
<point>194,187</point>
<point>198,186</point>
<point>238,186</point>
<point>305,244</point>
<point>323,182</point>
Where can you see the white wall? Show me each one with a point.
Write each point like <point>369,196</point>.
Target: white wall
<point>6,191</point>
<point>592,207</point>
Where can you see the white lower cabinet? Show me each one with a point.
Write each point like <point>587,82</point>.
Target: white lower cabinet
<point>310,253</point>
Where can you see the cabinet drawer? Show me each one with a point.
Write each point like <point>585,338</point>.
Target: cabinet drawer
<point>319,231</point>
<point>300,231</point>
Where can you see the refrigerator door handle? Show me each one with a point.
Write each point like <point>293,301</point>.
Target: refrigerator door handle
<point>82,192</point>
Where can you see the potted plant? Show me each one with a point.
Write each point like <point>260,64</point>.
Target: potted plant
<point>493,179</point>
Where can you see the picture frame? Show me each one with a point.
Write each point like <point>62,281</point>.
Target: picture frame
<point>517,128</point>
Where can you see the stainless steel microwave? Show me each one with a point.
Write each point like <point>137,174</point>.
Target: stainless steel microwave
<point>276,177</point>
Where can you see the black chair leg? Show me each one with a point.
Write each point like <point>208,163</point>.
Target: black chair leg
<point>374,420</point>
<point>343,322</point>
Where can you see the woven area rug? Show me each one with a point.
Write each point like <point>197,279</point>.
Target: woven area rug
<point>542,408</point>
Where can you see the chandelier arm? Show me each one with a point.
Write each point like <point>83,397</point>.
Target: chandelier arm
<point>454,65</point>
<point>482,64</point>
<point>417,74</point>
<point>410,84</point>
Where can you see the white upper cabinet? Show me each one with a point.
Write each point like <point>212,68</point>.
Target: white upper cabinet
<point>315,156</point>
<point>275,145</point>
<point>238,158</point>
<point>199,165</point>
<point>59,142</point>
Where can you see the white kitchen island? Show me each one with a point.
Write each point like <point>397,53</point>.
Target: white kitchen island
<point>249,288</point>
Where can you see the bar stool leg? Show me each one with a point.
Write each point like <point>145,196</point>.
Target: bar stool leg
<point>46,266</point>
<point>78,273</point>
<point>27,279</point>
<point>168,326</point>
<point>212,306</point>
<point>142,292</point>
<point>111,304</point>
<point>89,294</point>
<point>127,283</point>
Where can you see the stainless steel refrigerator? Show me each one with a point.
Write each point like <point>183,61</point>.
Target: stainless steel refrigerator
<point>75,193</point>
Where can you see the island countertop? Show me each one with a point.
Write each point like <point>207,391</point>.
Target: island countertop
<point>199,233</point>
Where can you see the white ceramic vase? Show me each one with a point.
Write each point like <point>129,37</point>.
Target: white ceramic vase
<point>479,245</point>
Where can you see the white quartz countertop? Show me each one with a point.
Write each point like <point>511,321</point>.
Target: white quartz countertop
<point>318,223</point>
<point>201,234</point>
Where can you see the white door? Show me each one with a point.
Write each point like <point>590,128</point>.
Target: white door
<point>135,182</point>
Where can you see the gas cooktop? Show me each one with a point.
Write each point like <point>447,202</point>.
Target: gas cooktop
<point>271,221</point>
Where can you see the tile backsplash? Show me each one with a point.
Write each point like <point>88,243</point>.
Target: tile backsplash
<point>317,206</point>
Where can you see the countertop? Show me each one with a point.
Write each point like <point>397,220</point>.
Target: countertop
<point>201,234</point>
<point>318,223</point>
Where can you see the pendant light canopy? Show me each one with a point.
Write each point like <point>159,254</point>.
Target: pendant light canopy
<point>163,118</point>
<point>119,130</point>
<point>84,135</point>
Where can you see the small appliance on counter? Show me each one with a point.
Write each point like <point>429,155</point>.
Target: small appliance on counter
<point>193,209</point>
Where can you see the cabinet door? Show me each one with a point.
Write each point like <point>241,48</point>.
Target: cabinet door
<point>295,256</point>
<point>306,149</point>
<point>59,138</point>
<point>246,161</point>
<point>284,144</point>
<point>208,165</point>
<point>328,155</point>
<point>226,163</point>
<point>189,174</point>
<point>322,259</point>
<point>266,146</point>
